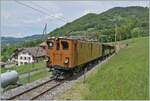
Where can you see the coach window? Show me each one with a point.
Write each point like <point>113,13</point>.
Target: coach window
<point>65,45</point>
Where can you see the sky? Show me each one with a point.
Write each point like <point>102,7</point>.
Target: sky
<point>19,21</point>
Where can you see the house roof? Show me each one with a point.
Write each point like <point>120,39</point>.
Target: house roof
<point>34,51</point>
<point>15,52</point>
<point>43,44</point>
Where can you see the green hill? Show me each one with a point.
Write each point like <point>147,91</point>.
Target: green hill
<point>131,21</point>
<point>14,40</point>
<point>124,76</point>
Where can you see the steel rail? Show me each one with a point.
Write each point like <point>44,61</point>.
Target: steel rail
<point>51,88</point>
<point>28,90</point>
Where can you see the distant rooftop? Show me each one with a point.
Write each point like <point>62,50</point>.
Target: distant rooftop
<point>34,51</point>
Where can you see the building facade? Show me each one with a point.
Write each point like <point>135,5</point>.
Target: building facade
<point>23,56</point>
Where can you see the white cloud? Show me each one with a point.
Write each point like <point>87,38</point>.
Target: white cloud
<point>6,15</point>
<point>58,15</point>
<point>89,11</point>
<point>28,21</point>
<point>16,34</point>
<point>19,35</point>
<point>41,19</point>
<point>54,16</point>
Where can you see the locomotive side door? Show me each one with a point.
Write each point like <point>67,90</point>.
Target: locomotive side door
<point>57,54</point>
<point>75,53</point>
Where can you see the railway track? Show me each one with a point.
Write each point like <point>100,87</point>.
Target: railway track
<point>39,90</point>
<point>35,92</point>
<point>52,94</point>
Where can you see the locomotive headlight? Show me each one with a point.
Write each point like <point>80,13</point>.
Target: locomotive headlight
<point>66,60</point>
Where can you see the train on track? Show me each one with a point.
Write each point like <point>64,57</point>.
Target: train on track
<point>67,55</point>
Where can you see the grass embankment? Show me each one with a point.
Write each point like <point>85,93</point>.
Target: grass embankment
<point>25,68</point>
<point>124,76</point>
<point>34,77</point>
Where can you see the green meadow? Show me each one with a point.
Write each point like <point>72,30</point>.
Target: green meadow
<point>25,68</point>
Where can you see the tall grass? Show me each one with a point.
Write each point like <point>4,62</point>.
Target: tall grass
<point>25,68</point>
<point>125,76</point>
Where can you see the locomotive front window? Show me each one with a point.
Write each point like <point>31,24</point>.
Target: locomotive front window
<point>65,45</point>
<point>50,44</point>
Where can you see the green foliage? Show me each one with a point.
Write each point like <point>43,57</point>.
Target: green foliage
<point>25,68</point>
<point>7,51</point>
<point>35,76</point>
<point>136,32</point>
<point>31,43</point>
<point>126,18</point>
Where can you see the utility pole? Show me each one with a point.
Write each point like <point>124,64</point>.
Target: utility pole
<point>116,45</point>
<point>118,18</point>
<point>115,33</point>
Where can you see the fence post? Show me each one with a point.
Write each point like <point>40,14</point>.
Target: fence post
<point>85,70</point>
<point>28,76</point>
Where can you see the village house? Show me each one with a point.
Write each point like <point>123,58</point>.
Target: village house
<point>23,56</point>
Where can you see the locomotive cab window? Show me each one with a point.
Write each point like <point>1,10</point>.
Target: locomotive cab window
<point>50,44</point>
<point>65,45</point>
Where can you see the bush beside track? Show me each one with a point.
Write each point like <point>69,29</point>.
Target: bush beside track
<point>125,76</point>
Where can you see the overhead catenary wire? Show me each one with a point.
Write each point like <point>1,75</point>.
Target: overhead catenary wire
<point>42,37</point>
<point>40,11</point>
<point>47,10</point>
